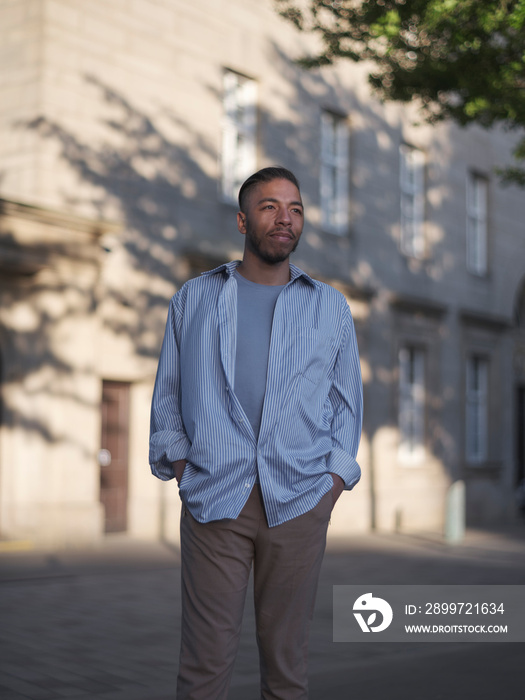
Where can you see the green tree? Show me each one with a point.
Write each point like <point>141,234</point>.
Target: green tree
<point>461,59</point>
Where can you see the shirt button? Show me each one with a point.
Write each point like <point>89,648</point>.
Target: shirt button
<point>247,485</point>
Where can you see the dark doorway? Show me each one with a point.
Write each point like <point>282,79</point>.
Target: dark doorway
<point>520,434</point>
<point>113,456</point>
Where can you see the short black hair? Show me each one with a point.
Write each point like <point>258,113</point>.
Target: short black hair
<point>275,172</point>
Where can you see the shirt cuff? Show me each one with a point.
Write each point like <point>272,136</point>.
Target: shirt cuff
<point>164,450</point>
<point>344,465</point>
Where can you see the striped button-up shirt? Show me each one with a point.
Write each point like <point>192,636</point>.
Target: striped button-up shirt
<point>312,411</point>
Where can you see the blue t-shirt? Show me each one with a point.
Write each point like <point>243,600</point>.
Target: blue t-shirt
<point>255,306</point>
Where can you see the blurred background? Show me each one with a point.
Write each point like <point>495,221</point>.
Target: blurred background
<point>126,128</point>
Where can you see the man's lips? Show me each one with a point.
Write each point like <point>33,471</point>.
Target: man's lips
<point>282,235</point>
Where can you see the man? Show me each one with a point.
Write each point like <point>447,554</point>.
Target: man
<point>257,414</point>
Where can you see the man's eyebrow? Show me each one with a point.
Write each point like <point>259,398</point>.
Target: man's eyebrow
<point>273,199</point>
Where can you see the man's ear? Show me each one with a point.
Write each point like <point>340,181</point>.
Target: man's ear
<point>241,222</point>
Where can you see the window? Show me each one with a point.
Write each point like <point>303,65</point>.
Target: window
<point>476,409</point>
<point>411,403</point>
<point>239,133</point>
<point>334,173</point>
<point>477,224</point>
<point>412,201</point>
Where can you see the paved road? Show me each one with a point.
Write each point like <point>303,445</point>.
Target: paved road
<point>103,624</point>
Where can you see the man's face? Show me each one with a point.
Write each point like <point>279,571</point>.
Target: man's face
<point>272,221</point>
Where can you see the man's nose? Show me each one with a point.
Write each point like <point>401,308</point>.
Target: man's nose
<point>283,216</point>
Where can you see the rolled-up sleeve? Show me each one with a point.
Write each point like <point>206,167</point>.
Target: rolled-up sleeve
<point>168,439</point>
<point>346,397</point>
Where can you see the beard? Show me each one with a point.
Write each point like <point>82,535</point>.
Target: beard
<point>257,247</point>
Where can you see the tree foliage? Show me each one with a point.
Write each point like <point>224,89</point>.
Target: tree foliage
<point>461,59</point>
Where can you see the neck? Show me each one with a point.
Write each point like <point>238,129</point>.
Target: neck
<point>261,272</point>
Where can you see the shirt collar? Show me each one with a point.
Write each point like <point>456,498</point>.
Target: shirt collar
<point>295,272</point>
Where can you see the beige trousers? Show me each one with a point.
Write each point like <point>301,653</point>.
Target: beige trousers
<point>216,561</point>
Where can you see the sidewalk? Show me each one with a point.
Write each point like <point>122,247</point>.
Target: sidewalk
<point>103,624</point>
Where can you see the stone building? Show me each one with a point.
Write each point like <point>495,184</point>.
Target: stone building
<point>125,130</point>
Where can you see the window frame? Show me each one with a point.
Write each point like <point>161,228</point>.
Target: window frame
<point>477,409</point>
<point>477,224</point>
<point>412,163</point>
<point>411,419</point>
<point>239,133</point>
<point>334,173</point>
